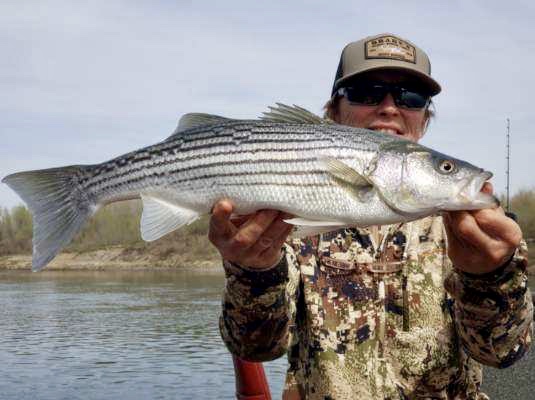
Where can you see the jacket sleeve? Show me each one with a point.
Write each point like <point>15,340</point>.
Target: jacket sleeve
<point>259,309</point>
<point>493,313</point>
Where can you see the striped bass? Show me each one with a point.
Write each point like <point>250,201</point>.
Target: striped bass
<point>325,174</point>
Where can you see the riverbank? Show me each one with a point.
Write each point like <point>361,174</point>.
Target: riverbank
<point>114,258</point>
<point>124,258</point>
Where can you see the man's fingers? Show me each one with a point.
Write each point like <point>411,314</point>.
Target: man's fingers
<point>453,240</point>
<point>239,220</point>
<point>277,228</point>
<point>250,242</point>
<point>483,236</point>
<point>276,233</point>
<point>220,226</point>
<point>278,242</point>
<point>253,240</point>
<point>465,228</point>
<point>250,231</point>
<point>270,255</point>
<point>498,226</point>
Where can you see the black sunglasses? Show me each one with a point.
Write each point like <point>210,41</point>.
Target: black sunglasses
<point>372,94</point>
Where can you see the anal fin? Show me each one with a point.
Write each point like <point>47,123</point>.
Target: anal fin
<point>306,227</point>
<point>161,217</point>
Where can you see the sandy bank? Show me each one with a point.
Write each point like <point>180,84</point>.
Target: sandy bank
<point>118,257</point>
<point>111,258</point>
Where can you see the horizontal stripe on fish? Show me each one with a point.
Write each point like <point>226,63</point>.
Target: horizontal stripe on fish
<point>180,174</point>
<point>279,135</point>
<point>250,127</point>
<point>159,162</point>
<point>217,181</point>
<point>181,142</point>
<point>143,155</point>
<point>221,158</point>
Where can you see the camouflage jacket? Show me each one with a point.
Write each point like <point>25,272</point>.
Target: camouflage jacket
<point>388,318</point>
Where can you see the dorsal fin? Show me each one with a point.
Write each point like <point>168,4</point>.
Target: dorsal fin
<point>282,113</point>
<point>194,120</point>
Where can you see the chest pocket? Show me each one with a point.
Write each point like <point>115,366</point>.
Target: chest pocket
<point>346,280</point>
<point>350,291</point>
<point>345,302</point>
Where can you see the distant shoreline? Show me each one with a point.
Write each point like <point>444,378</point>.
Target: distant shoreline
<point>113,258</point>
<point>121,258</point>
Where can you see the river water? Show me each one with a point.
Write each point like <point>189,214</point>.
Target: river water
<point>135,335</point>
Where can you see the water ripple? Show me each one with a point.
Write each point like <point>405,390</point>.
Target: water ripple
<point>115,335</point>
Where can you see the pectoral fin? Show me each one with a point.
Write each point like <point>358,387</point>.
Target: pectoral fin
<point>355,183</point>
<point>161,217</point>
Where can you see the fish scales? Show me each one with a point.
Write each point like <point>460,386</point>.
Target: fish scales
<point>181,150</point>
<point>248,155</point>
<point>256,148</point>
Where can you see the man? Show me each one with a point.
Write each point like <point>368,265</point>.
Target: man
<point>386,312</point>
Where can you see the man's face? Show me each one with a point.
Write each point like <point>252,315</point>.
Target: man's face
<point>386,117</point>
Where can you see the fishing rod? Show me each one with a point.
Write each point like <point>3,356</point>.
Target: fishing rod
<point>508,211</point>
<point>508,157</point>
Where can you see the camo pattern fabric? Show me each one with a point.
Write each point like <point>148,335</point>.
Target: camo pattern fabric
<point>378,316</point>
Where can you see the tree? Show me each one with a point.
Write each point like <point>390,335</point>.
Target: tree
<point>523,204</point>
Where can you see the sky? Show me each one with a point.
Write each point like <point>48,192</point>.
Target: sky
<point>82,82</point>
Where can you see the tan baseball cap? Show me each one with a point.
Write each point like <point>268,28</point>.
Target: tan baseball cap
<point>384,51</point>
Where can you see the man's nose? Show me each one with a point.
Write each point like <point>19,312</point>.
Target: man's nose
<point>388,106</point>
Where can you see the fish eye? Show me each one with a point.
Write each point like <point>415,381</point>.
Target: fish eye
<point>446,166</point>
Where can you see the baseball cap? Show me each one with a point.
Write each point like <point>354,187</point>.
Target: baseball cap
<point>385,51</point>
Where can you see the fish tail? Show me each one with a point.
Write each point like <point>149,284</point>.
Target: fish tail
<point>58,205</point>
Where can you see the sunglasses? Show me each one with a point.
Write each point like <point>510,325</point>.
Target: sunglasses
<point>372,94</point>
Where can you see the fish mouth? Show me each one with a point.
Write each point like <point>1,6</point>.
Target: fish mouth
<point>472,198</point>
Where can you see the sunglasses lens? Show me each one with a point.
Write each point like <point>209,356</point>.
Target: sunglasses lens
<point>410,99</point>
<point>366,95</point>
<point>373,94</point>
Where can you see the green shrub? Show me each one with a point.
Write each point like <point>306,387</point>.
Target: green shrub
<point>115,224</point>
<point>523,204</point>
<point>118,224</point>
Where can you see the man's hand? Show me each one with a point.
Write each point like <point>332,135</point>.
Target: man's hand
<point>480,241</point>
<point>253,241</point>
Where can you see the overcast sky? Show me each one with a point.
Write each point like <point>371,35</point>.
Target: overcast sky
<point>82,82</point>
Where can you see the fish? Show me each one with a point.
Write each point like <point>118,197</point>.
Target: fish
<point>326,175</point>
